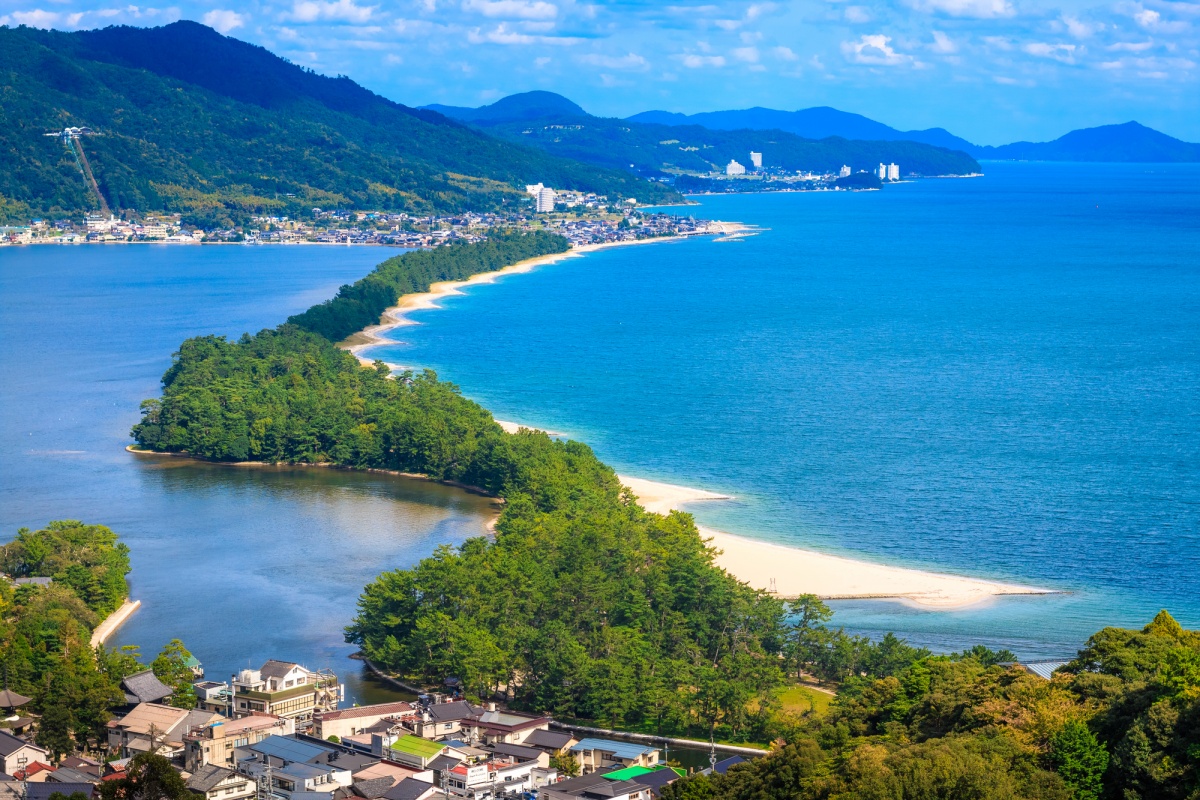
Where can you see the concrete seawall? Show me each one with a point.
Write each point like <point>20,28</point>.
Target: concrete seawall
<point>116,619</point>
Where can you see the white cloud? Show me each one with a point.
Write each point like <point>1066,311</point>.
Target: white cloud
<point>874,49</point>
<point>943,43</point>
<point>1131,47</point>
<point>1080,29</point>
<point>503,34</point>
<point>976,9</point>
<point>333,10</point>
<point>693,61</point>
<point>784,53</point>
<point>747,54</point>
<point>391,59</point>
<point>223,21</point>
<point>857,14</point>
<point>629,61</point>
<point>36,18</point>
<point>1152,20</point>
<point>512,9</point>
<point>1059,52</point>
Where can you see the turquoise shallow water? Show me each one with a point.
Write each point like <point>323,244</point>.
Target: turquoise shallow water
<point>996,377</point>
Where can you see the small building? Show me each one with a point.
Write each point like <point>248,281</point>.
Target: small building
<point>443,720</point>
<point>411,789</point>
<point>756,159</point>
<point>285,689</point>
<point>734,168</point>
<point>893,172</point>
<point>216,742</point>
<point>550,742</point>
<point>219,783</point>
<point>152,727</point>
<point>502,727</point>
<point>594,786</point>
<point>844,172</point>
<point>17,754</point>
<point>347,722</point>
<point>415,751</point>
<point>597,754</point>
<point>144,687</point>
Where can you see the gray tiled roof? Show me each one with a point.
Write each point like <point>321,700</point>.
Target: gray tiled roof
<point>207,777</point>
<point>549,740</point>
<point>408,789</point>
<point>372,787</point>
<point>144,687</point>
<point>276,669</point>
<point>721,766</point>
<point>448,712</point>
<point>10,744</point>
<point>42,791</point>
<point>517,750</point>
<point>68,775</point>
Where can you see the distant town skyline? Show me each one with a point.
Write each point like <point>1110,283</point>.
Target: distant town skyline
<point>991,71</point>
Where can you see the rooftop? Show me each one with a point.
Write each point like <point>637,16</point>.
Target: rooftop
<point>147,715</point>
<point>379,709</point>
<point>416,746</point>
<point>288,749</point>
<point>627,750</point>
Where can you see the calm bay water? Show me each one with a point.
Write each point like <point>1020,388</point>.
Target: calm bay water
<point>996,377</point>
<point>243,564</point>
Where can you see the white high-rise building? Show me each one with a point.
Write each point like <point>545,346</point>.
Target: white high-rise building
<point>756,159</point>
<point>734,168</point>
<point>533,188</point>
<point>845,172</point>
<point>545,199</point>
<point>882,172</point>
<point>893,172</point>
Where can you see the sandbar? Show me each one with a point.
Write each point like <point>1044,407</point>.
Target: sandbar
<point>791,571</point>
<point>781,569</point>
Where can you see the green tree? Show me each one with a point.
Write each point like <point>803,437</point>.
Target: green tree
<point>54,728</point>
<point>565,763</point>
<point>147,777</point>
<point>1080,759</point>
<point>173,667</point>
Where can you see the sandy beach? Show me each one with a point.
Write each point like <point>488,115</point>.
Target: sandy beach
<point>787,571</point>
<point>791,571</point>
<point>397,315</point>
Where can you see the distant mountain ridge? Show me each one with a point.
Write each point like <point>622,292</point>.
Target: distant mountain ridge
<point>810,123</point>
<point>555,124</point>
<point>194,122</point>
<point>1127,142</point>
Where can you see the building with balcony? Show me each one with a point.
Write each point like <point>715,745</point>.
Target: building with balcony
<point>285,689</point>
<point>215,742</point>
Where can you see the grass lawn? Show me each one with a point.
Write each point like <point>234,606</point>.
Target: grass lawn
<point>801,699</point>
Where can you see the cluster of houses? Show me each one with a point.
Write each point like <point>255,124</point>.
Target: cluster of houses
<point>632,226</point>
<point>277,733</point>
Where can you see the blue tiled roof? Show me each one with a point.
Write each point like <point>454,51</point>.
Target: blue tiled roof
<point>288,749</point>
<point>627,750</point>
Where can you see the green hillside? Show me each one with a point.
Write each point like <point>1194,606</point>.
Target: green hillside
<point>546,121</point>
<point>217,129</point>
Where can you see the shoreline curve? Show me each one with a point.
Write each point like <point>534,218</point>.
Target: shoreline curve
<point>783,570</point>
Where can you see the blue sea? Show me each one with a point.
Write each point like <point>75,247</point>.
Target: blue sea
<point>996,377</point>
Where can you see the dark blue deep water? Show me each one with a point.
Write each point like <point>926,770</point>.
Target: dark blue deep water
<point>998,377</point>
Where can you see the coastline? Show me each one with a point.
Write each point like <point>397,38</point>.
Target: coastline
<point>108,626</point>
<point>397,315</point>
<point>780,569</point>
<point>788,571</point>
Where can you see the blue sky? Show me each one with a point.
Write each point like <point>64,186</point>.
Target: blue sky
<point>992,71</point>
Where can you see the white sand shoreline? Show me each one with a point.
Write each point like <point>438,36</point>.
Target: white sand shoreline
<point>786,571</point>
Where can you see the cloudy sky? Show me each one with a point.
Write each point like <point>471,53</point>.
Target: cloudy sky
<point>992,71</point>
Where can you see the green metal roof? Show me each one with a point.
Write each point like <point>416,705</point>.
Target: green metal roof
<point>629,773</point>
<point>416,746</point>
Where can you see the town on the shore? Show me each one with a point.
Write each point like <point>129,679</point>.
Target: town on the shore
<point>279,732</point>
<point>584,218</point>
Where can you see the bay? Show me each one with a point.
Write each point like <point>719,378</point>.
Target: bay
<point>997,377</point>
<point>243,564</point>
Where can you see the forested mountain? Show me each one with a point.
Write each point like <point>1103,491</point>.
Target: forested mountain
<point>555,124</point>
<point>809,123</point>
<point>1130,142</point>
<point>192,121</point>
